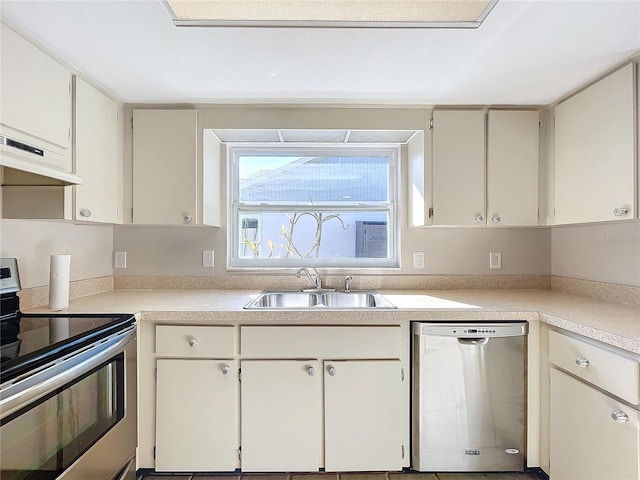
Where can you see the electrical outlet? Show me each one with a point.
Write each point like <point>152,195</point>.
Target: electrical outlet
<point>495,261</point>
<point>120,260</point>
<point>418,259</point>
<point>207,258</point>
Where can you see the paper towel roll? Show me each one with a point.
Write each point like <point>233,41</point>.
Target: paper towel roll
<point>59,270</point>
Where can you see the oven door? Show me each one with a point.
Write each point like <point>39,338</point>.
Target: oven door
<point>74,419</point>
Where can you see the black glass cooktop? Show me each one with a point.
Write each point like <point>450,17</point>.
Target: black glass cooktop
<point>32,340</point>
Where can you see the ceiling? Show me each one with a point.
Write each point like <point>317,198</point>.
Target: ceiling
<point>526,52</point>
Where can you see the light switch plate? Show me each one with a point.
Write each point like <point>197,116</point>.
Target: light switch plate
<point>120,260</point>
<point>418,259</point>
<point>495,261</point>
<point>207,258</point>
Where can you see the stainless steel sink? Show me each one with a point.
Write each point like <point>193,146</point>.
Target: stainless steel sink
<point>320,300</point>
<point>284,300</point>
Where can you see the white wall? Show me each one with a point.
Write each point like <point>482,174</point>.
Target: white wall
<point>31,242</point>
<point>448,251</point>
<point>600,252</point>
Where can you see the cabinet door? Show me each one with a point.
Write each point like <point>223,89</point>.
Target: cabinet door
<point>165,167</point>
<point>458,167</point>
<point>96,155</point>
<point>196,415</point>
<point>594,151</point>
<point>36,96</point>
<point>365,415</point>
<point>586,441</point>
<point>281,415</point>
<point>512,167</point>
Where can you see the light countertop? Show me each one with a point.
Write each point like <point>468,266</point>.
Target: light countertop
<point>612,323</point>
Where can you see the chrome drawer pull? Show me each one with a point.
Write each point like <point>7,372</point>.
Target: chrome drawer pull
<point>226,370</point>
<point>583,362</point>
<point>620,211</point>
<point>619,416</point>
<point>193,342</point>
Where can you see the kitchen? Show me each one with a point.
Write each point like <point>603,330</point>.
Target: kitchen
<point>599,259</point>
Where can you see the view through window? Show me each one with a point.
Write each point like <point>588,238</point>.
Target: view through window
<point>332,206</point>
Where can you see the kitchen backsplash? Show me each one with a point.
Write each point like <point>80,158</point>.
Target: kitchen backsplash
<point>359,282</point>
<point>32,297</point>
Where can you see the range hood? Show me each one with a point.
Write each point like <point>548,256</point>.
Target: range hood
<point>26,164</point>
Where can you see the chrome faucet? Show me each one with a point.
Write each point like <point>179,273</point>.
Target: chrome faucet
<point>316,282</point>
<point>347,283</point>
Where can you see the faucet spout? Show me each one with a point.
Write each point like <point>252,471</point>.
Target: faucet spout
<point>347,283</point>
<point>316,282</point>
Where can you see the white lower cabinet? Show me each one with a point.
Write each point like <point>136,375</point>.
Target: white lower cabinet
<point>594,431</point>
<point>332,397</point>
<point>593,436</point>
<point>288,398</point>
<point>286,428</point>
<point>364,415</point>
<point>281,415</point>
<point>196,415</point>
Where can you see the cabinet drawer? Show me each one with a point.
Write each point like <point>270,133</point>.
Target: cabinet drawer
<point>195,342</point>
<point>326,342</point>
<point>606,369</point>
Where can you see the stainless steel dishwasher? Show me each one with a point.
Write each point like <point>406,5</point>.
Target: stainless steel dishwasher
<point>468,400</point>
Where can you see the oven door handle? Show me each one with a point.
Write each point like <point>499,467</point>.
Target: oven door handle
<point>24,392</point>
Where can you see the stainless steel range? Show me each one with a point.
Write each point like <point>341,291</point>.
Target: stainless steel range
<point>67,392</point>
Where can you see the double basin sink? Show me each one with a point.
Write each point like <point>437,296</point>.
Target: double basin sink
<point>319,299</point>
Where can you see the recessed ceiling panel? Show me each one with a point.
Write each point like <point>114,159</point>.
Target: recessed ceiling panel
<point>380,136</point>
<point>313,136</point>
<point>330,13</point>
<point>246,135</point>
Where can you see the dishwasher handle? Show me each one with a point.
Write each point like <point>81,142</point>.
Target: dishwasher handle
<point>473,341</point>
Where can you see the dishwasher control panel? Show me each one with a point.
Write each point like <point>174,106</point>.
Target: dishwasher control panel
<point>471,330</point>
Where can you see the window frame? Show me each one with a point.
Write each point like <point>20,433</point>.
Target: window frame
<point>236,209</point>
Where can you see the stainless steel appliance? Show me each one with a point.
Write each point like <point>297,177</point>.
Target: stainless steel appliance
<point>67,392</point>
<point>468,400</point>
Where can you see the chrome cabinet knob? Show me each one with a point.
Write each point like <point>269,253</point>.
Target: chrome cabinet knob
<point>226,370</point>
<point>583,362</point>
<point>188,218</point>
<point>311,371</point>
<point>479,218</point>
<point>619,416</point>
<point>496,218</point>
<point>85,213</point>
<point>331,370</point>
<point>193,342</point>
<point>620,211</point>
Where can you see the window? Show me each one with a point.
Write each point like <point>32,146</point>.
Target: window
<point>330,206</point>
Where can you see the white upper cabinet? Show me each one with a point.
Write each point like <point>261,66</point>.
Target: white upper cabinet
<point>96,140</point>
<point>458,167</point>
<point>36,101</point>
<point>165,164</point>
<point>512,167</point>
<point>594,151</point>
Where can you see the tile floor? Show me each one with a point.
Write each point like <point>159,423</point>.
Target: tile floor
<point>348,476</point>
